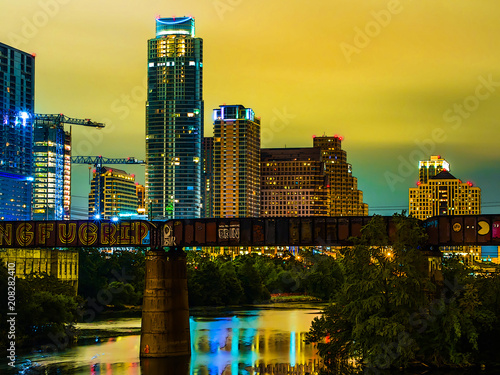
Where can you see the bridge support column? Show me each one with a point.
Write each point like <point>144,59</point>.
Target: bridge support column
<point>165,310</point>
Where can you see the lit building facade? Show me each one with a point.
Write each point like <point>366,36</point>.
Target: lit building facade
<point>52,171</point>
<point>140,191</point>
<point>444,194</point>
<point>344,198</point>
<point>119,196</point>
<point>293,182</point>
<point>236,162</point>
<point>174,120</point>
<point>208,171</point>
<point>62,264</point>
<point>17,90</point>
<point>430,168</point>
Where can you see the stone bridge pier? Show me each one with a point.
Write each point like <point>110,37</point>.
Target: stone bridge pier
<point>165,310</point>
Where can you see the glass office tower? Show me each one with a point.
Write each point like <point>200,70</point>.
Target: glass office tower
<point>174,120</point>
<point>52,171</point>
<point>17,90</point>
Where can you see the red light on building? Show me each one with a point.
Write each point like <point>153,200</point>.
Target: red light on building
<point>418,183</point>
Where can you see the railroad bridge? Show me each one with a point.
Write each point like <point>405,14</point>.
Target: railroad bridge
<point>165,318</point>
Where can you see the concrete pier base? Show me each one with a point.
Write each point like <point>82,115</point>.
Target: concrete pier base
<point>165,310</point>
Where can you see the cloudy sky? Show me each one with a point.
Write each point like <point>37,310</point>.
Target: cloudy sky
<point>399,80</point>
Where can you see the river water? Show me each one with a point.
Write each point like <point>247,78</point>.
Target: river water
<point>259,341</point>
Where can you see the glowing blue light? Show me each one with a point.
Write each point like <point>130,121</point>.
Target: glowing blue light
<point>97,217</point>
<point>174,21</point>
<point>30,179</point>
<point>114,219</point>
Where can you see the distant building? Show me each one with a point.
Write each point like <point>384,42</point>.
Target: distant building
<point>17,91</point>
<point>119,197</point>
<point>208,172</point>
<point>444,194</point>
<point>174,120</point>
<point>344,198</point>
<point>52,171</point>
<point>430,168</point>
<point>236,161</point>
<point>293,182</point>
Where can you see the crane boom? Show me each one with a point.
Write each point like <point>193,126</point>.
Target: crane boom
<point>62,119</point>
<point>99,160</point>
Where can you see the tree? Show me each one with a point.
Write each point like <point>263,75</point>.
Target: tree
<point>369,319</point>
<point>46,307</point>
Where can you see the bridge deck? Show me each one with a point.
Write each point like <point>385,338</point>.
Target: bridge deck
<point>284,231</point>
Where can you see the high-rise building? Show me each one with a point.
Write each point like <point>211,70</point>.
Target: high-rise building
<point>444,194</point>
<point>174,120</point>
<point>17,90</point>
<point>208,171</point>
<point>236,172</point>
<point>344,198</point>
<point>430,168</point>
<point>119,194</point>
<point>293,182</point>
<point>52,171</point>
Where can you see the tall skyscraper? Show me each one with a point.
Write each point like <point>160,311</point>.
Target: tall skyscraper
<point>119,194</point>
<point>344,198</point>
<point>174,120</point>
<point>444,194</point>
<point>52,171</point>
<point>236,156</point>
<point>17,90</point>
<point>293,182</point>
<point>430,168</point>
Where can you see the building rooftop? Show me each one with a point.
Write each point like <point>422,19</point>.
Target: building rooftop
<point>443,175</point>
<point>290,154</point>
<point>172,26</point>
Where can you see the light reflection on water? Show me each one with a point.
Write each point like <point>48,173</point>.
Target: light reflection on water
<point>248,342</point>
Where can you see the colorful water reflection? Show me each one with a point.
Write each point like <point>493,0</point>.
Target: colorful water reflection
<point>257,342</point>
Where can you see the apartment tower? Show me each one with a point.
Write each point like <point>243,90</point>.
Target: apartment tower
<point>174,120</point>
<point>236,162</point>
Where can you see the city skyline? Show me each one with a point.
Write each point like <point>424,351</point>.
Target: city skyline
<point>400,81</point>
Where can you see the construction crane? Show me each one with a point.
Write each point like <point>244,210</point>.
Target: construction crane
<point>97,162</point>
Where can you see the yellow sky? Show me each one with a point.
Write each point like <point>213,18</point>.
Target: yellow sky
<point>387,75</point>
